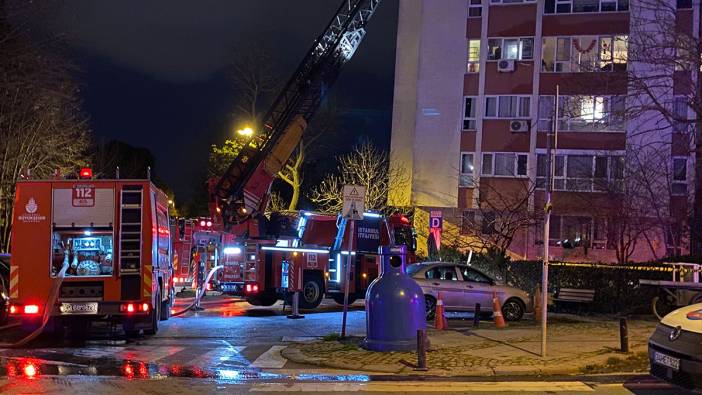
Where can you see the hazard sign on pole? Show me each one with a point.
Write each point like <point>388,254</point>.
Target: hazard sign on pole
<point>354,197</point>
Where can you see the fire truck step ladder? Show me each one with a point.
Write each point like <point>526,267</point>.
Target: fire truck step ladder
<point>130,230</point>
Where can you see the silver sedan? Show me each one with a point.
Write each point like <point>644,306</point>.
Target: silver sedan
<point>462,286</point>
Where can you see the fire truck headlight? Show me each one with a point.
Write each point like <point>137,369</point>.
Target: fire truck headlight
<point>232,250</point>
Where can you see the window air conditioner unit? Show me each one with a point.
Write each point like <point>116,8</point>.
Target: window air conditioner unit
<point>519,126</point>
<point>505,66</point>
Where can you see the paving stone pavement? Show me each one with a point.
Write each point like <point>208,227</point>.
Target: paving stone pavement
<point>463,351</point>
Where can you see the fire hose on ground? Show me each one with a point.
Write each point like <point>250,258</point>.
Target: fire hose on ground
<point>50,301</point>
<point>200,292</point>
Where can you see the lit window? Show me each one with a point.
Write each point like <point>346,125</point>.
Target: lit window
<point>469,111</point>
<point>508,107</point>
<point>511,48</point>
<point>473,56</point>
<point>583,113</point>
<point>584,53</point>
<point>466,176</point>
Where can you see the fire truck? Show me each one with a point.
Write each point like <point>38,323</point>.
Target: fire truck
<point>313,262</point>
<point>200,247</point>
<point>275,255</point>
<point>112,239</point>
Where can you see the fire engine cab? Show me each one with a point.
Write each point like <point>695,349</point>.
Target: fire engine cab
<point>114,238</point>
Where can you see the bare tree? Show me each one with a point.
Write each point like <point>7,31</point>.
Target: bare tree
<point>367,166</point>
<point>665,94</point>
<point>41,126</point>
<point>254,80</point>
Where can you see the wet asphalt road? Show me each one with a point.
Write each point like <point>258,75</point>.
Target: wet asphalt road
<point>234,347</point>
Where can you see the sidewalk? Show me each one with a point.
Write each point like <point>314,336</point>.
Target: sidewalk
<point>575,345</point>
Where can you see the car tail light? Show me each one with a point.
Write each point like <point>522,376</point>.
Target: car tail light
<point>29,370</point>
<point>14,309</point>
<point>31,309</point>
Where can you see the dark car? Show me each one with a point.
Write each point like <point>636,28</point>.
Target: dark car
<point>675,348</point>
<point>4,286</point>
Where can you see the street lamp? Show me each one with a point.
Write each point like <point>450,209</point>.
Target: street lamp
<point>246,132</point>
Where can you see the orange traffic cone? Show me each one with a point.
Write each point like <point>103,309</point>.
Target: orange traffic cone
<point>440,322</point>
<point>497,312</point>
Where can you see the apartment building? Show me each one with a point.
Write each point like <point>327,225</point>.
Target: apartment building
<point>474,106</point>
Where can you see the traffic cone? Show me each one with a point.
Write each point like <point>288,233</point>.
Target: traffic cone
<point>497,312</point>
<point>440,322</point>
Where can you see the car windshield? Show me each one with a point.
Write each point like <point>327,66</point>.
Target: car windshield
<point>412,269</point>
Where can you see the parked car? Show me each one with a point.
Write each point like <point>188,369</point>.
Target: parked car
<point>4,286</point>
<point>462,286</point>
<point>675,347</point>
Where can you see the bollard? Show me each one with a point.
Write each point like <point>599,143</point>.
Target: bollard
<point>295,307</point>
<point>421,350</point>
<point>476,316</point>
<point>624,335</point>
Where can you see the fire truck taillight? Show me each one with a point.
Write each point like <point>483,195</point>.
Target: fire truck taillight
<point>203,223</point>
<point>86,172</point>
<point>14,309</point>
<point>251,288</point>
<point>131,308</point>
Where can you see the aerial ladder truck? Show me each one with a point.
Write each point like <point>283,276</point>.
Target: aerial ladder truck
<point>239,198</point>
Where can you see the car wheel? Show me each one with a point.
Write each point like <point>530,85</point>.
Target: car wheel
<point>311,293</point>
<point>513,310</point>
<point>430,306</point>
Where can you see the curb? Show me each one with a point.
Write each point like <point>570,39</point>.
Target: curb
<point>295,355</point>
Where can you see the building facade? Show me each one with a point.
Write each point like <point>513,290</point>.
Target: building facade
<point>474,109</point>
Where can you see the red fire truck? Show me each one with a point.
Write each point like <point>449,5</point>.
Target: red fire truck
<point>203,247</point>
<point>313,261</point>
<point>114,238</point>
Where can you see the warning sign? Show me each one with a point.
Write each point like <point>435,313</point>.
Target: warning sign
<point>354,198</point>
<point>83,196</point>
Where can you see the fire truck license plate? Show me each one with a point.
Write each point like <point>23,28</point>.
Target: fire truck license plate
<point>666,360</point>
<point>79,308</point>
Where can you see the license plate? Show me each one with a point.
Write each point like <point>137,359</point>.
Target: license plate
<point>666,360</point>
<point>79,308</point>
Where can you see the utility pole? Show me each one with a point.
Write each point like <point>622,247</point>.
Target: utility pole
<point>550,167</point>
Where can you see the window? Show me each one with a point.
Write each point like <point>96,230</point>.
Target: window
<point>511,1</point>
<point>473,56</point>
<point>679,185</point>
<point>466,176</point>
<point>442,273</point>
<point>568,6</point>
<point>511,48</point>
<point>583,113</point>
<point>506,164</point>
<point>680,123</point>
<point>575,231</point>
<point>584,53</point>
<point>475,9</point>
<point>684,3</point>
<point>469,113</point>
<point>507,107</point>
<point>88,251</point>
<point>582,172</point>
<point>474,276</point>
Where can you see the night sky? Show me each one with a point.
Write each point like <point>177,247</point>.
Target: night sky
<point>152,72</point>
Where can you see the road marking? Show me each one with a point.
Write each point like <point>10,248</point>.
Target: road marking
<point>271,359</point>
<point>424,387</point>
<point>215,356</point>
<point>145,355</point>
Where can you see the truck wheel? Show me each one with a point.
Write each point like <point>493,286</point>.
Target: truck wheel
<point>166,307</point>
<point>155,315</point>
<point>312,292</point>
<point>339,298</point>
